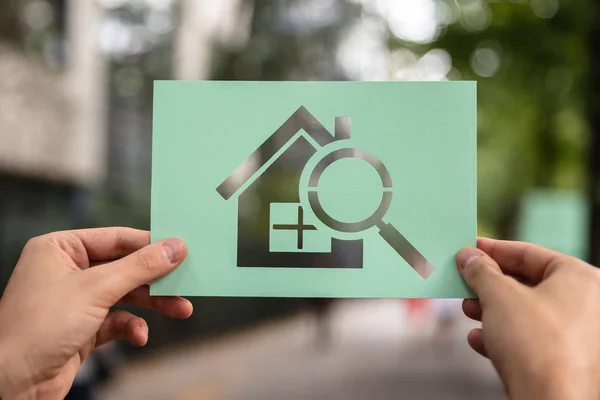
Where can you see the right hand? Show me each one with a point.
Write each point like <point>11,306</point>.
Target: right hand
<point>540,314</point>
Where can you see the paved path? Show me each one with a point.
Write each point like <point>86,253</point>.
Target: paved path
<point>373,355</point>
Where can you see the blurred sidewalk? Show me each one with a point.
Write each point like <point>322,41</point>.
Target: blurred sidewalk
<point>373,354</point>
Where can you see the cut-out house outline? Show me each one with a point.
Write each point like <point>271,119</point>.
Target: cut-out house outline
<point>253,233</point>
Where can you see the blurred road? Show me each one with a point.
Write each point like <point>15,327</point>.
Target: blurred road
<point>372,354</point>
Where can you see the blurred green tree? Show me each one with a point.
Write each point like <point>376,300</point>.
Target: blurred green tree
<point>289,40</point>
<point>593,109</point>
<point>530,60</point>
<point>11,29</point>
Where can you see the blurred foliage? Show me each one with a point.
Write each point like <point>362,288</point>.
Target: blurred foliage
<point>11,29</point>
<point>530,59</point>
<point>528,56</point>
<point>281,48</point>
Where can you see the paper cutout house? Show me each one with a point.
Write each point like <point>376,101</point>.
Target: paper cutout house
<point>284,155</point>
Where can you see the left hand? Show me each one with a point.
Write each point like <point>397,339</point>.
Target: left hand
<point>56,306</point>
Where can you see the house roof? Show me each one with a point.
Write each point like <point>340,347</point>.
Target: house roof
<point>301,119</point>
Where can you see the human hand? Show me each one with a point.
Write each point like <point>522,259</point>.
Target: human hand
<point>541,330</point>
<point>55,308</point>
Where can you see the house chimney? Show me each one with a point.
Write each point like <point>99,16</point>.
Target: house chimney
<point>342,128</point>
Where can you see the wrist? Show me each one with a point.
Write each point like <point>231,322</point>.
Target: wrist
<point>554,381</point>
<point>551,391</point>
<point>13,384</point>
<point>4,379</point>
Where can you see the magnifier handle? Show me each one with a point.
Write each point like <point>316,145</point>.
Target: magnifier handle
<point>406,250</point>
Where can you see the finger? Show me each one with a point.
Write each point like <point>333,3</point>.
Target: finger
<point>112,243</point>
<point>481,273</point>
<point>472,309</point>
<point>171,306</point>
<point>122,325</point>
<point>475,340</point>
<point>519,258</point>
<point>111,282</point>
<point>87,246</point>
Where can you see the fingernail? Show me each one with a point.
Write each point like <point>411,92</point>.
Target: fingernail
<point>174,250</point>
<point>466,257</point>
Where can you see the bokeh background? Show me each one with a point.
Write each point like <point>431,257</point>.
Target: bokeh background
<point>76,79</point>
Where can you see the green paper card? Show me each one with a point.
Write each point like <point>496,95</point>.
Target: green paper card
<point>315,189</point>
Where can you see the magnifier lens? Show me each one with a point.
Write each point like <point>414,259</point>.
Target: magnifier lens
<point>350,190</point>
<point>352,186</point>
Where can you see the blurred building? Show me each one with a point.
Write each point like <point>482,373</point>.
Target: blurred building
<point>52,132</point>
<point>35,170</point>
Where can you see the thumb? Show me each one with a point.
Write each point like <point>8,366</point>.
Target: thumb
<point>480,272</point>
<point>120,277</point>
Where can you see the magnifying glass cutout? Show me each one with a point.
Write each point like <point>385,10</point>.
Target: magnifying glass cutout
<point>386,230</point>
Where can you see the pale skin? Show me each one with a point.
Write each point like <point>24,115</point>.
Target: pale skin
<point>55,308</point>
<point>542,330</point>
<point>539,311</point>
